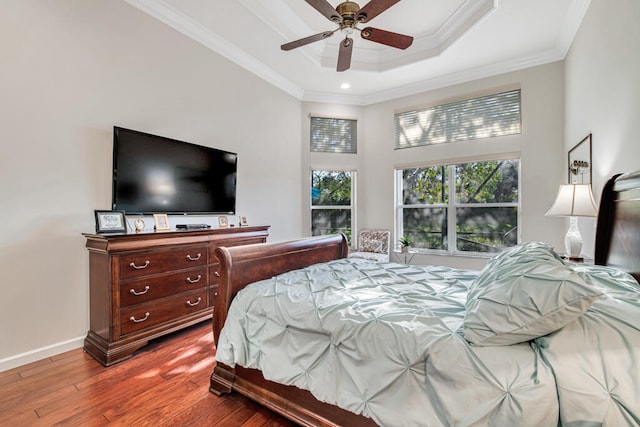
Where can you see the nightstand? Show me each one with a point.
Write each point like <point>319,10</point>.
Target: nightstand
<point>577,260</point>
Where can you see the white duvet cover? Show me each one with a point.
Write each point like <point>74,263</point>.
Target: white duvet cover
<point>391,341</point>
<point>385,341</point>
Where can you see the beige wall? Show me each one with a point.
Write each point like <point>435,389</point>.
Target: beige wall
<point>69,71</point>
<point>541,140</point>
<point>603,93</point>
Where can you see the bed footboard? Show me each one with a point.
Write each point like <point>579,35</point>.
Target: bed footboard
<point>243,265</point>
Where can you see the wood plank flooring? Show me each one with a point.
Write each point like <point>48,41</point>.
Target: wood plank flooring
<point>164,384</point>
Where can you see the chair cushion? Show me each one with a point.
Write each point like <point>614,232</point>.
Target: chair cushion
<point>371,245</point>
<point>370,256</point>
<point>374,241</point>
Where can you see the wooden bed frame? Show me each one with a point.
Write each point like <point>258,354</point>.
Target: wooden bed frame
<point>617,244</point>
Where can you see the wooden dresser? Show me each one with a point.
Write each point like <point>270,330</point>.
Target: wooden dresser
<point>146,285</point>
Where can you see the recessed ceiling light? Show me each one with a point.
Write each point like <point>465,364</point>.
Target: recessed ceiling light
<point>345,86</point>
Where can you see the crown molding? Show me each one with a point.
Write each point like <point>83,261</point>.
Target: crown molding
<point>426,85</point>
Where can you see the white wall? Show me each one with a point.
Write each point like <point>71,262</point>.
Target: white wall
<point>603,93</point>
<point>541,140</point>
<point>69,71</point>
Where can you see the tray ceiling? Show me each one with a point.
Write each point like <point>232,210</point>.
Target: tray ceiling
<point>454,41</point>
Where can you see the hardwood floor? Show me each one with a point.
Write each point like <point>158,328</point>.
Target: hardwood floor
<point>164,384</point>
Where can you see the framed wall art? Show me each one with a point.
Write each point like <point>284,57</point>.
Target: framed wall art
<point>580,162</point>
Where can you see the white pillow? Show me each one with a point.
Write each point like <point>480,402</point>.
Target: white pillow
<point>371,245</point>
<point>523,293</point>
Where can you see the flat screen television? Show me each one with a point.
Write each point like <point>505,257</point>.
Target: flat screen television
<point>154,174</point>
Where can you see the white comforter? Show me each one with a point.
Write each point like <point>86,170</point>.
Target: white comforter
<point>385,341</point>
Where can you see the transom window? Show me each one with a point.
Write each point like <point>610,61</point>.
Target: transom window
<point>331,135</point>
<point>465,207</point>
<point>469,119</point>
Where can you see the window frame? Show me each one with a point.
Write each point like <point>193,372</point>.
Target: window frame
<point>452,205</point>
<point>351,207</point>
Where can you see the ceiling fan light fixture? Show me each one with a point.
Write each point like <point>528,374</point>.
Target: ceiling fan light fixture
<point>347,31</point>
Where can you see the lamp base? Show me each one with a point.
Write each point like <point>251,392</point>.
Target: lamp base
<point>573,239</point>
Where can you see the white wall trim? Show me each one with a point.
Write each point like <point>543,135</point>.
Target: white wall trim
<point>40,353</point>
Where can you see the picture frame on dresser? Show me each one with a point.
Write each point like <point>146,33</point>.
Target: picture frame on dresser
<point>161,222</point>
<point>110,222</point>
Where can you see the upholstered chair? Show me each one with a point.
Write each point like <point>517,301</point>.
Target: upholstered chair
<point>373,244</point>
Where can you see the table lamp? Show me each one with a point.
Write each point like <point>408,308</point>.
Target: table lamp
<point>573,200</point>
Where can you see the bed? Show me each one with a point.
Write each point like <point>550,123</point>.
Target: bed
<point>529,340</point>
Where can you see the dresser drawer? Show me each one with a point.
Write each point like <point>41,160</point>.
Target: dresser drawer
<point>137,291</point>
<point>151,262</point>
<point>154,312</point>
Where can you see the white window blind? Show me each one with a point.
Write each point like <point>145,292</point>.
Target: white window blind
<point>475,118</point>
<point>334,135</point>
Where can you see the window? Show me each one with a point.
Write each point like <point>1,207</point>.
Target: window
<point>334,135</point>
<point>476,118</point>
<point>466,207</point>
<point>332,202</point>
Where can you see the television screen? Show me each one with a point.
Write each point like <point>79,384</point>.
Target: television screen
<point>153,174</point>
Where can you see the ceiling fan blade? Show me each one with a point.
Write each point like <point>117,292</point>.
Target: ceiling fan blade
<point>388,38</point>
<point>306,40</point>
<point>344,54</point>
<point>373,9</point>
<point>325,8</point>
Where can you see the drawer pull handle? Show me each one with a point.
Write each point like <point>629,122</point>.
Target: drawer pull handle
<point>193,304</point>
<point>140,267</point>
<point>217,274</point>
<point>134,320</point>
<point>190,258</point>
<point>133,292</point>
<point>190,280</point>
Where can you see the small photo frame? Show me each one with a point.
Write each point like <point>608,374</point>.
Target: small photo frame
<point>161,222</point>
<point>243,221</point>
<point>110,222</point>
<point>223,222</point>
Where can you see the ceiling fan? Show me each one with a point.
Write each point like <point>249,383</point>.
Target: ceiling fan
<point>348,15</point>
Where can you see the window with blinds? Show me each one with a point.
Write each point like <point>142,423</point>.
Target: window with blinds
<point>330,135</point>
<point>475,118</point>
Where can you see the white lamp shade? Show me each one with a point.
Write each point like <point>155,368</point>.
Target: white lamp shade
<point>573,200</point>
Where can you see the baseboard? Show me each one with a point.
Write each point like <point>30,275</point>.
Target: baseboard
<point>40,353</point>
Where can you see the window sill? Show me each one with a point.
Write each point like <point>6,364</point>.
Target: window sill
<point>480,255</point>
